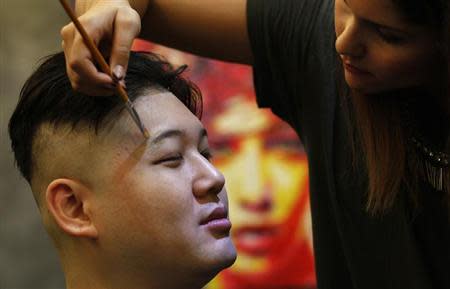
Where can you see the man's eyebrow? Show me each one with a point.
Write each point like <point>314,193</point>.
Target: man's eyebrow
<point>174,133</point>
<point>166,134</point>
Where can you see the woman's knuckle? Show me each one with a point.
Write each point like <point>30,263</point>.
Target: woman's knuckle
<point>66,31</point>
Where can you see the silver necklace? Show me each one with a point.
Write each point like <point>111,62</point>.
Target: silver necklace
<point>436,166</point>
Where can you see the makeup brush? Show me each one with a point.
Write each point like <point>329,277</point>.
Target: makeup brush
<point>105,68</point>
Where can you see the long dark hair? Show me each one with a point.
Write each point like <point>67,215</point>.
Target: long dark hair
<point>383,123</point>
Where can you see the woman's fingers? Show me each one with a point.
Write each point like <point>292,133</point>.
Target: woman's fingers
<point>115,28</point>
<point>127,26</point>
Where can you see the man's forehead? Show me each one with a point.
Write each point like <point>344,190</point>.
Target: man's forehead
<point>159,111</point>
<point>197,131</point>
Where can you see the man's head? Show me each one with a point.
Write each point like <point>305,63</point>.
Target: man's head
<point>113,201</point>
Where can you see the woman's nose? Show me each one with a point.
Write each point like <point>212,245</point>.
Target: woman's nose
<point>350,42</point>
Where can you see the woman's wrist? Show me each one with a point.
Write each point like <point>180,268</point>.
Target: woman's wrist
<point>140,6</point>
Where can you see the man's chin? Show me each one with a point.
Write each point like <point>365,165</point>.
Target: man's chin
<point>229,256</point>
<point>223,257</point>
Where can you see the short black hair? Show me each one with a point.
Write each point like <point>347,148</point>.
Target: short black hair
<point>47,97</point>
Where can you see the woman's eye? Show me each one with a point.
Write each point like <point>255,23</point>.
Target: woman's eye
<point>389,37</point>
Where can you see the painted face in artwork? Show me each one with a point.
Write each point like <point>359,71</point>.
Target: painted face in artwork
<point>267,180</point>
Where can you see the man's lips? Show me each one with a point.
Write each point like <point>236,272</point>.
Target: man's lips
<point>217,220</point>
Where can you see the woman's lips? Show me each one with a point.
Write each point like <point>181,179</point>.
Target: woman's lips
<point>255,240</point>
<point>355,70</point>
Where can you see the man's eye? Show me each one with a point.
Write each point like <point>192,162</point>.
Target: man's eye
<point>171,160</point>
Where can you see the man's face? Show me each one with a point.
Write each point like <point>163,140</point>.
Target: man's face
<point>160,205</point>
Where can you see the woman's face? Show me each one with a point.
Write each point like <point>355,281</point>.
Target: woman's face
<point>380,49</point>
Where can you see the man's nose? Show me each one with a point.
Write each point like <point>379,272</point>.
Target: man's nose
<point>350,42</point>
<point>208,180</point>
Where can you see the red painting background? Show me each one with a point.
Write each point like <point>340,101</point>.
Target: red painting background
<point>266,177</point>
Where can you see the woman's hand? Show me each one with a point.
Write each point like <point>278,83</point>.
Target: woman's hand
<point>211,28</point>
<point>112,25</point>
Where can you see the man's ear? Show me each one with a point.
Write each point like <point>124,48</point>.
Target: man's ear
<point>67,201</point>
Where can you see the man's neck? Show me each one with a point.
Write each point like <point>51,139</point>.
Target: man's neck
<point>83,280</point>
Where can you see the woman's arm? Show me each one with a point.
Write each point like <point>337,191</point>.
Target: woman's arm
<point>212,28</point>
